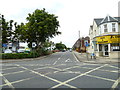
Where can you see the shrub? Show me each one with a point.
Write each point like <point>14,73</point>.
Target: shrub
<point>33,54</point>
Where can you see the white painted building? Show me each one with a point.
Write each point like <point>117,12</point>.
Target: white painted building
<point>105,37</point>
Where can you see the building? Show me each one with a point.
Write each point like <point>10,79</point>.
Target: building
<point>105,37</point>
<point>80,44</point>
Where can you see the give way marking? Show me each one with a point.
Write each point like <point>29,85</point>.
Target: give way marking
<point>68,60</point>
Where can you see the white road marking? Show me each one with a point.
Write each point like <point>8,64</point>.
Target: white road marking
<point>75,58</point>
<point>54,62</point>
<point>68,60</point>
<point>57,60</point>
<point>116,83</point>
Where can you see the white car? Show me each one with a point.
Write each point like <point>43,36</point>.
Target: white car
<point>21,50</point>
<point>7,51</point>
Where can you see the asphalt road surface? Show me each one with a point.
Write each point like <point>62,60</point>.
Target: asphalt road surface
<point>59,70</point>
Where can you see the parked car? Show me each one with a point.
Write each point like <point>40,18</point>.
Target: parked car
<point>7,51</point>
<point>21,50</point>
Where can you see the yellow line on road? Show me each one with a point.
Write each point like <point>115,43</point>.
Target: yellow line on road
<point>101,78</point>
<point>116,83</point>
<point>14,72</point>
<point>63,83</point>
<point>46,76</point>
<point>7,82</point>
<point>9,68</point>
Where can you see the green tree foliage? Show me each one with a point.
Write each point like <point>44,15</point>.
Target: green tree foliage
<point>7,30</point>
<point>4,28</point>
<point>40,26</point>
<point>60,46</point>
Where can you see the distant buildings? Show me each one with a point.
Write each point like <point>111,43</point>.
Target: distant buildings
<point>105,37</point>
<point>80,44</point>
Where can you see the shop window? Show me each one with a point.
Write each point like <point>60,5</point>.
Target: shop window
<point>113,27</point>
<point>105,28</point>
<point>115,47</point>
<point>100,47</point>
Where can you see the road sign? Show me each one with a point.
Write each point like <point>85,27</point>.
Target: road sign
<point>4,45</point>
<point>34,44</point>
<point>86,44</point>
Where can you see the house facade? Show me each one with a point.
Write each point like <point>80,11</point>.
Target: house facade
<point>80,46</point>
<point>105,37</point>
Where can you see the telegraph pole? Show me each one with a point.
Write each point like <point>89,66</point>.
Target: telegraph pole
<point>79,34</point>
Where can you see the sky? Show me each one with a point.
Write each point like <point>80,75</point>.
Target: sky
<point>73,15</point>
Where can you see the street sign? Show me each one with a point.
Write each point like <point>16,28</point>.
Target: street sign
<point>86,43</point>
<point>4,45</point>
<point>34,44</point>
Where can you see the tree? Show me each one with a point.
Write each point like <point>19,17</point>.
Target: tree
<point>4,28</point>
<point>60,46</point>
<point>40,26</point>
<point>7,30</point>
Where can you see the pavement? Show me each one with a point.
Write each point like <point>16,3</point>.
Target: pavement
<point>83,57</point>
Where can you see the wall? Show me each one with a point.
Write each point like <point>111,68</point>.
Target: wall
<point>109,26</point>
<point>119,27</point>
<point>114,54</point>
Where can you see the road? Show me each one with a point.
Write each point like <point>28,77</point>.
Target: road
<point>59,70</point>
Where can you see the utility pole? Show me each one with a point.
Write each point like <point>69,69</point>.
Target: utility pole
<point>80,42</point>
<point>79,34</point>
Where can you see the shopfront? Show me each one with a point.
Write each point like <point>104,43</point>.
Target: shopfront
<point>108,45</point>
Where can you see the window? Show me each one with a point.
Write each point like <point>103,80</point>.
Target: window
<point>105,28</point>
<point>113,27</point>
<point>115,46</point>
<point>100,30</point>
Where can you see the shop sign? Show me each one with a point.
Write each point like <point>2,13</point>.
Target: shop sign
<point>108,39</point>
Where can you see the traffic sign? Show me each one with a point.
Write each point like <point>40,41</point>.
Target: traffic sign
<point>34,44</point>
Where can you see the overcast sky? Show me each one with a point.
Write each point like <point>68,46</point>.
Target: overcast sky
<point>73,15</point>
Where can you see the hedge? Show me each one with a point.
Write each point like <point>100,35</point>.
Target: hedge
<point>32,54</point>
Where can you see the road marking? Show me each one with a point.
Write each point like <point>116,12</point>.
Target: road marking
<point>14,72</point>
<point>100,69</point>
<point>46,77</point>
<point>54,62</point>
<point>100,78</point>
<point>7,82</point>
<point>63,83</point>
<point>18,81</point>
<point>68,60</point>
<point>114,67</point>
<point>8,68</point>
<point>75,58</point>
<point>57,60</point>
<point>116,83</point>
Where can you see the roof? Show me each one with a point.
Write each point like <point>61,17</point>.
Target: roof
<point>107,19</point>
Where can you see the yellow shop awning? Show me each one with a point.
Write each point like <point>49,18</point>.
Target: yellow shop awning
<point>108,39</point>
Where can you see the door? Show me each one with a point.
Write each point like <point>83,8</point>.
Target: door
<point>106,50</point>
